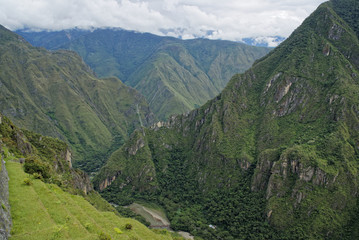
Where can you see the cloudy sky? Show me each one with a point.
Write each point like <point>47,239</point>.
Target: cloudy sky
<point>216,19</point>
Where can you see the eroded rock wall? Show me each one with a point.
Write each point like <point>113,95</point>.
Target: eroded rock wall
<point>5,217</point>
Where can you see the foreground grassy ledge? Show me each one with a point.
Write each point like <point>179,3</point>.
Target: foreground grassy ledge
<point>45,211</point>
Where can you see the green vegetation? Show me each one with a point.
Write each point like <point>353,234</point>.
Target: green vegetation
<point>45,211</point>
<point>128,226</point>
<point>274,156</point>
<point>27,181</point>
<point>43,157</point>
<point>99,203</point>
<point>56,94</point>
<point>174,75</point>
<point>41,209</point>
<point>126,212</point>
<point>36,167</point>
<point>348,10</point>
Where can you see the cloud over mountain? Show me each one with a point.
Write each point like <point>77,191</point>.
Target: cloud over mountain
<point>231,20</point>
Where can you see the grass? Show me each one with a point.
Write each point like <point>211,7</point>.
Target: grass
<point>7,154</point>
<point>44,211</point>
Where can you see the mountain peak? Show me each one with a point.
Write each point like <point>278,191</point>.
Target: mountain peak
<point>7,35</point>
<point>286,128</point>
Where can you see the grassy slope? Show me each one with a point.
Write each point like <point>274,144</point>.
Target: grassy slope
<point>44,211</point>
<point>56,94</point>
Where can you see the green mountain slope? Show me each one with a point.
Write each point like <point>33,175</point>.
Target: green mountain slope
<point>174,75</point>
<point>47,158</point>
<point>56,94</point>
<point>39,205</point>
<point>45,211</point>
<point>276,151</point>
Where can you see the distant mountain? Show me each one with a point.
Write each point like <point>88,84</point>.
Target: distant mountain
<point>264,41</point>
<point>274,156</point>
<point>56,94</point>
<point>174,75</point>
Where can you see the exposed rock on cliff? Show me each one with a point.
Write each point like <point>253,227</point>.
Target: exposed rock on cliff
<point>288,128</point>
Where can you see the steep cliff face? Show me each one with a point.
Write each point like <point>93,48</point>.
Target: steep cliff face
<point>288,128</point>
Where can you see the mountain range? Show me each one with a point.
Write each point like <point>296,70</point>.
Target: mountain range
<point>273,156</point>
<point>174,75</point>
<point>57,94</point>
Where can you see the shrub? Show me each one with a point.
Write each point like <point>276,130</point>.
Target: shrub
<point>37,175</point>
<point>128,226</point>
<point>27,181</point>
<point>88,226</point>
<point>55,179</point>
<point>34,165</point>
<point>117,230</point>
<point>104,236</point>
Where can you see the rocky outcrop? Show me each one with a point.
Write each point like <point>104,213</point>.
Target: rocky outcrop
<point>5,217</point>
<point>263,170</point>
<point>68,158</point>
<point>81,181</point>
<point>22,143</point>
<point>335,32</point>
<point>107,182</point>
<point>288,173</point>
<point>139,144</point>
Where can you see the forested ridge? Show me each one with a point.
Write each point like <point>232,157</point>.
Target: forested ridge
<point>274,156</point>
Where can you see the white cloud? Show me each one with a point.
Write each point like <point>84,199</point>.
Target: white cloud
<point>226,19</point>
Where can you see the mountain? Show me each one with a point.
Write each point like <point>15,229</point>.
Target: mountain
<point>274,156</point>
<point>174,75</point>
<point>56,94</point>
<point>43,197</point>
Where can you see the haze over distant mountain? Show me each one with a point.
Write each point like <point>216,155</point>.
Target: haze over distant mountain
<point>274,156</point>
<point>174,75</point>
<point>56,94</point>
<point>264,41</point>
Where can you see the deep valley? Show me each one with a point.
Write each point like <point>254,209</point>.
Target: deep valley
<point>115,134</point>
